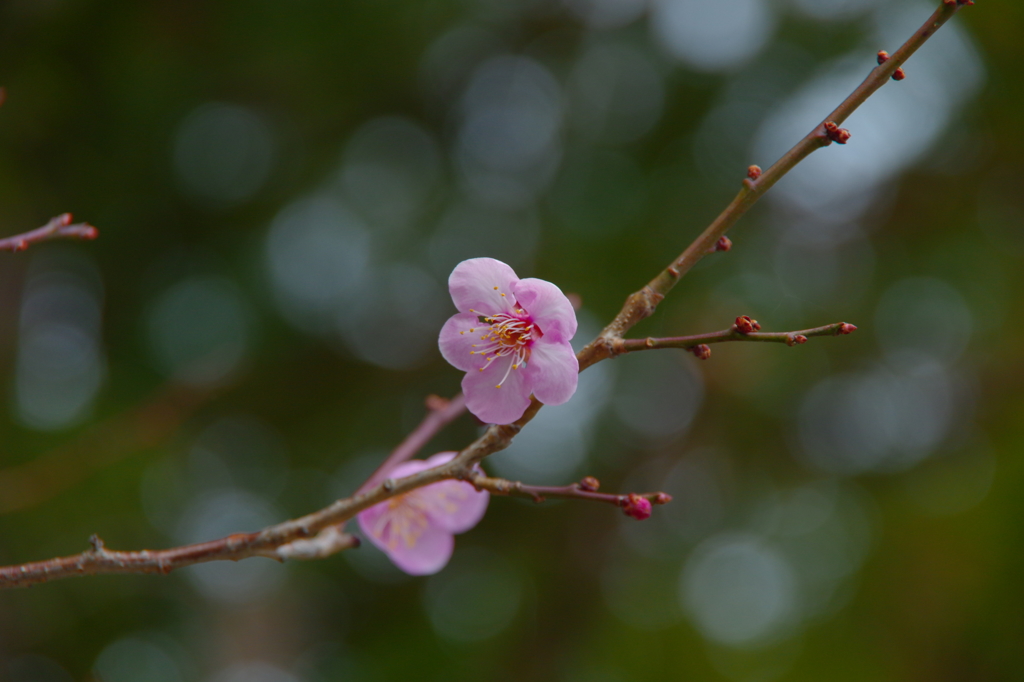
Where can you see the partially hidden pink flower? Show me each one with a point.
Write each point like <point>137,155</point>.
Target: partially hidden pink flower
<point>511,337</point>
<point>416,529</point>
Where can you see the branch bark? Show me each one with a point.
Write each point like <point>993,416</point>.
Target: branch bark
<point>58,228</point>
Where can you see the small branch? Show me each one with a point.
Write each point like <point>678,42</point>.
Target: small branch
<point>584,490</point>
<point>441,413</point>
<point>733,333</point>
<point>58,228</point>
<point>123,435</point>
<point>329,541</point>
<point>643,303</point>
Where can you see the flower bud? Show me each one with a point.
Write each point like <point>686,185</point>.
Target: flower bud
<point>745,325</point>
<point>636,507</point>
<point>754,172</point>
<point>846,329</point>
<point>590,484</point>
<point>703,351</point>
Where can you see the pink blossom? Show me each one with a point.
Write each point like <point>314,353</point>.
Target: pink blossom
<point>511,337</point>
<point>416,530</point>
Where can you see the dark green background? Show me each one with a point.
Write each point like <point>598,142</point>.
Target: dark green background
<point>97,94</point>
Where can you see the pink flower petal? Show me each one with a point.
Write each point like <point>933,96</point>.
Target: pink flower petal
<point>455,506</point>
<point>477,284</point>
<point>458,335</point>
<point>415,530</point>
<point>552,371</point>
<point>547,306</point>
<point>429,554</point>
<point>497,405</point>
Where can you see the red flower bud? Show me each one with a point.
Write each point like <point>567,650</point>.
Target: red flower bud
<point>590,484</point>
<point>754,172</point>
<point>883,57</point>
<point>836,134</point>
<point>662,498</point>
<point>899,74</point>
<point>703,351</point>
<point>745,325</point>
<point>636,507</point>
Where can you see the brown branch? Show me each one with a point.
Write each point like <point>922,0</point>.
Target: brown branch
<point>58,228</point>
<point>584,490</point>
<point>643,303</point>
<point>638,306</point>
<point>441,413</point>
<point>733,333</point>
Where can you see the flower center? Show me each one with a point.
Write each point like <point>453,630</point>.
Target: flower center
<point>505,335</point>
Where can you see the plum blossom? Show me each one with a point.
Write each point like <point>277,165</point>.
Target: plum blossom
<point>416,529</point>
<point>511,337</point>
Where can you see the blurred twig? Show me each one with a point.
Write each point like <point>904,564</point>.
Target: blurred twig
<point>638,306</point>
<point>58,228</point>
<point>441,413</point>
<point>110,441</point>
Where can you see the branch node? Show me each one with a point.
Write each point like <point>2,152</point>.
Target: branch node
<point>745,325</point>
<point>388,484</point>
<point>436,403</point>
<point>723,244</point>
<point>836,134</point>
<point>97,543</point>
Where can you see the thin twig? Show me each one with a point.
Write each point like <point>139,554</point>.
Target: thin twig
<point>643,303</point>
<point>731,334</point>
<point>145,426</point>
<point>58,228</point>
<point>638,306</point>
<point>441,413</point>
<point>574,491</point>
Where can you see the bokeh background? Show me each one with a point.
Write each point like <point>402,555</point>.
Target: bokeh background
<point>281,191</point>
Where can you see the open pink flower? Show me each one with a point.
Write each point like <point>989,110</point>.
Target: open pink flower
<point>416,530</point>
<point>511,337</point>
